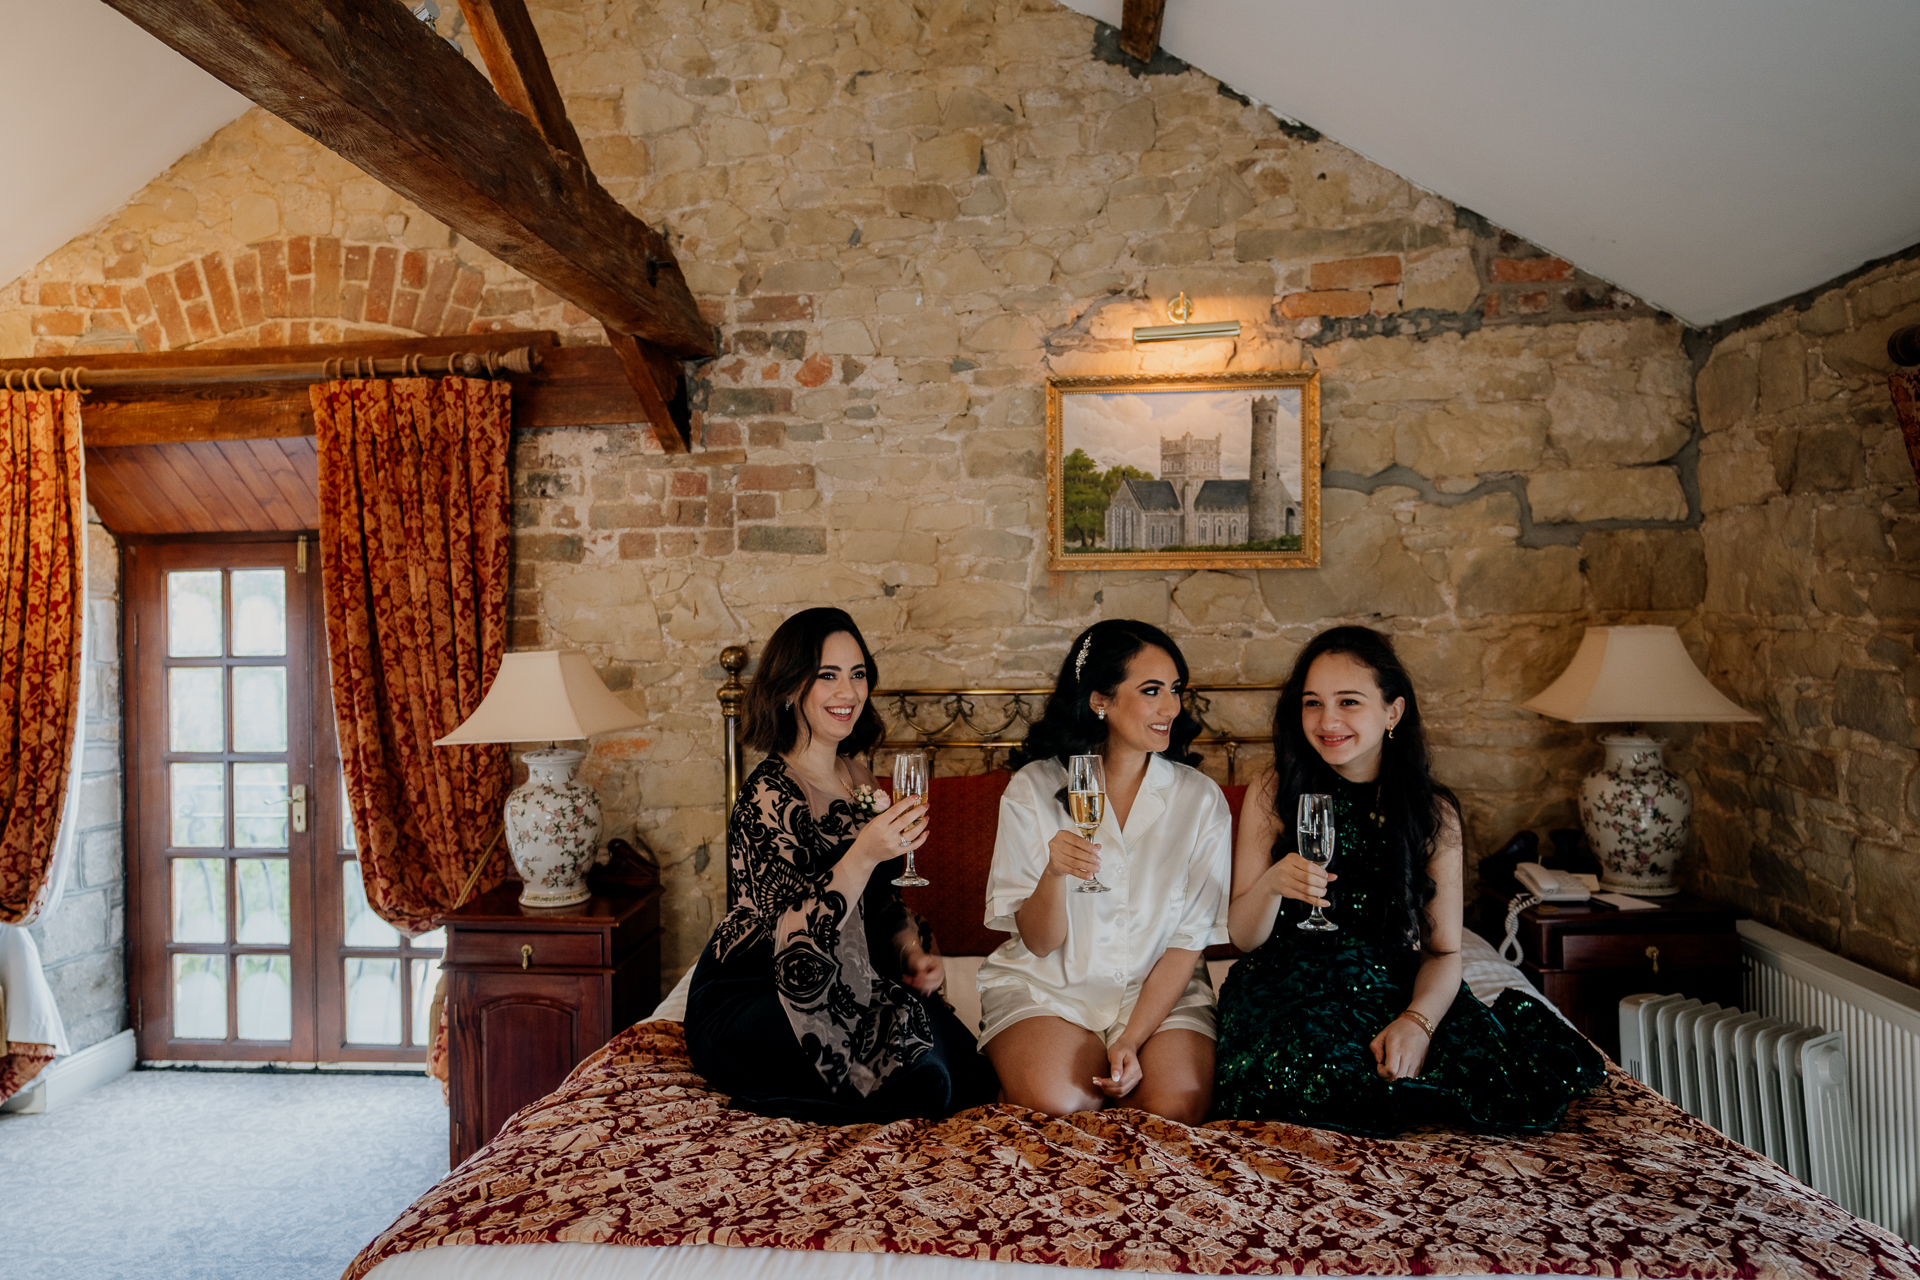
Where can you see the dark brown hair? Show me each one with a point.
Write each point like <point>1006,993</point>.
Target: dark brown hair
<point>788,667</point>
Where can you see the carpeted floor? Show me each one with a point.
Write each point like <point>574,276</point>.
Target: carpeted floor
<point>174,1175</point>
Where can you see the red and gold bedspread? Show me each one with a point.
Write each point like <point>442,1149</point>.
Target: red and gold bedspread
<point>635,1149</point>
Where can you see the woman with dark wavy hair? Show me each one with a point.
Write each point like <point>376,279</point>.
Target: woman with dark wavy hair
<point>817,996</point>
<point>1103,998</point>
<point>1370,1029</point>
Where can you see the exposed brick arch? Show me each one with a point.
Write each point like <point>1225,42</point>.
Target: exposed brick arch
<point>290,292</point>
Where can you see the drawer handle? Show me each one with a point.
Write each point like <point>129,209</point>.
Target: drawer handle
<point>526,956</point>
<point>1653,954</point>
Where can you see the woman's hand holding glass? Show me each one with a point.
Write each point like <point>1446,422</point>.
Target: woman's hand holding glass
<point>902,825</point>
<point>1070,854</point>
<point>1294,877</point>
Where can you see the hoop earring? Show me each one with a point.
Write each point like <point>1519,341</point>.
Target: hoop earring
<point>1389,733</point>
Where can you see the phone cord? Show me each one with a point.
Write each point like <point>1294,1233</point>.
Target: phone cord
<point>1510,949</point>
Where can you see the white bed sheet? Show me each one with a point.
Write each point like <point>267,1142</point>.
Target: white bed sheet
<point>1485,973</point>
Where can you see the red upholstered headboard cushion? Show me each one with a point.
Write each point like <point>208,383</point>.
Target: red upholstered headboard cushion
<point>965,813</point>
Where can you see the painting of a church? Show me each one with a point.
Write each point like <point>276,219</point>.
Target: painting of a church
<point>1192,506</point>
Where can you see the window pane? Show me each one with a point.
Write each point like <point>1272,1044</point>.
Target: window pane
<point>193,614</point>
<point>364,929</point>
<point>259,613</point>
<point>200,997</point>
<point>260,895</point>
<point>199,800</point>
<point>259,806</point>
<point>259,709</point>
<point>199,900</point>
<point>196,710</point>
<point>373,1001</point>
<point>426,976</point>
<point>432,940</point>
<point>266,998</point>
<point>347,839</point>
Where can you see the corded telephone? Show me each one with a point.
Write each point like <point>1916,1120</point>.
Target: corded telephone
<point>1548,885</point>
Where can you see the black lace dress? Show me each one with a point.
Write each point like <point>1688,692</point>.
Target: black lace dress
<point>796,1007</point>
<point>1297,1015</point>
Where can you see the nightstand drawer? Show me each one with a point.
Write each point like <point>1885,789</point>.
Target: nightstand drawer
<point>524,950</point>
<point>1645,950</point>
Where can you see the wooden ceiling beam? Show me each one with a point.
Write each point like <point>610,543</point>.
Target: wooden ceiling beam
<point>374,85</point>
<point>510,46</point>
<point>1140,27</point>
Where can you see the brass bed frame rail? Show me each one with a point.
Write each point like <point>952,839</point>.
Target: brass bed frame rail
<point>985,720</point>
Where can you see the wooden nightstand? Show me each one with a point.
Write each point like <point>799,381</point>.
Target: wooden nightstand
<point>531,992</point>
<point>1586,956</point>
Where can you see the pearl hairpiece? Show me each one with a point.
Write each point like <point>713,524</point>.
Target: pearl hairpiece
<point>1080,662</point>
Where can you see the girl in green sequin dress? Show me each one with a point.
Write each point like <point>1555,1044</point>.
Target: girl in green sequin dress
<point>1370,1029</point>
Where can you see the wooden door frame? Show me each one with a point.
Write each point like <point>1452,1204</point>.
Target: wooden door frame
<point>142,568</point>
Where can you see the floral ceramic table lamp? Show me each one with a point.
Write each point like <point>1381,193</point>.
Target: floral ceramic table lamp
<point>553,821</point>
<point>1635,810</point>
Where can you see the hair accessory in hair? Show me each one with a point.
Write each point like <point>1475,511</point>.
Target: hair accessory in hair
<point>1080,661</point>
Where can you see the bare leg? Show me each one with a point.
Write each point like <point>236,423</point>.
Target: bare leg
<point>1176,1068</point>
<point>1048,1064</point>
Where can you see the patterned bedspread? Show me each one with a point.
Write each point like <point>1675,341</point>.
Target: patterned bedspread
<point>634,1149</point>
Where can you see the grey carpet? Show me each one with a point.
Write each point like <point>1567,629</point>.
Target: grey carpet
<point>169,1175</point>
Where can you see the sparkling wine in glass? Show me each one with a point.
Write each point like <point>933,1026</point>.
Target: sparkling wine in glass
<point>1087,802</point>
<point>910,779</point>
<point>1315,831</point>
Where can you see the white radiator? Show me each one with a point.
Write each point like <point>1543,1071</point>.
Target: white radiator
<point>1818,1074</point>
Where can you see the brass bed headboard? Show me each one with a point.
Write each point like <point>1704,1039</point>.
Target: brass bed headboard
<point>987,721</point>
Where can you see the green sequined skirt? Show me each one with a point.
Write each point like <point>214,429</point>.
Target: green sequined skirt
<point>1296,1017</point>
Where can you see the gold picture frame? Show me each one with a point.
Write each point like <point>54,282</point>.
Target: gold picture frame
<point>1158,472</point>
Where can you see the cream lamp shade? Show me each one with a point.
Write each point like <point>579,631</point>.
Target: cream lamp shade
<point>1634,674</point>
<point>550,694</point>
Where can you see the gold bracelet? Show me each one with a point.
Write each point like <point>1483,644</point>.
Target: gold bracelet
<point>1420,1018</point>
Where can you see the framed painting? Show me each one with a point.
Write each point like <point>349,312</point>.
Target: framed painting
<point>1213,471</point>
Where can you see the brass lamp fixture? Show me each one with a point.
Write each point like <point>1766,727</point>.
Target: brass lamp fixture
<point>1180,310</point>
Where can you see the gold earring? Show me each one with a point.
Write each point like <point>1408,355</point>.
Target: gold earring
<point>1389,733</point>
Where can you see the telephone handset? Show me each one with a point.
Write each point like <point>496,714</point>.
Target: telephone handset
<point>1552,886</point>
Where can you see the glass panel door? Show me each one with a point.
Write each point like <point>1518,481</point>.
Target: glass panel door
<point>220,735</point>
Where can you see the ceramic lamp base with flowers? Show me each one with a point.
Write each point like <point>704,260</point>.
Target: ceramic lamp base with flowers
<point>553,830</point>
<point>1637,814</point>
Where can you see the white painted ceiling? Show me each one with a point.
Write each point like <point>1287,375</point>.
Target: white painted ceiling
<point>1710,156</point>
<point>93,109</point>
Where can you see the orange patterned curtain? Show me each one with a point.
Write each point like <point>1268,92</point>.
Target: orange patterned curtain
<point>43,529</point>
<point>413,545</point>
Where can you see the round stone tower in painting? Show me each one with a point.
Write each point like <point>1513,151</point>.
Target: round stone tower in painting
<point>1265,492</point>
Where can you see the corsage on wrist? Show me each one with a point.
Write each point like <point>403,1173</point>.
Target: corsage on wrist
<point>868,801</point>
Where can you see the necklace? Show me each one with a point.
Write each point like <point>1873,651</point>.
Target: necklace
<point>1373,810</point>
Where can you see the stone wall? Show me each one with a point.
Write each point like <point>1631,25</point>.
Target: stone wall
<point>904,218</point>
<point>1812,531</point>
<point>82,940</point>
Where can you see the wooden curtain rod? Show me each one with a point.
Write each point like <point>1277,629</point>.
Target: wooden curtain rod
<point>471,364</point>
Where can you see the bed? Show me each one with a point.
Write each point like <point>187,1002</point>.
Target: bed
<point>634,1170</point>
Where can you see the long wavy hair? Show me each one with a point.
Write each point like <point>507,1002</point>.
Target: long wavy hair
<point>788,667</point>
<point>1068,727</point>
<point>1412,800</point>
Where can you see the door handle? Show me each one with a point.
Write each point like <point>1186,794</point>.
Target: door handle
<point>526,955</point>
<point>297,806</point>
<point>1653,954</point>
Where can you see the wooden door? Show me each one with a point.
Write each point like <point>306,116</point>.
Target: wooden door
<point>219,836</point>
<point>223,644</point>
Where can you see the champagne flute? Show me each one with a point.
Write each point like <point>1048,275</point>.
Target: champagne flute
<point>1315,832</point>
<point>909,779</point>
<point>1087,802</point>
